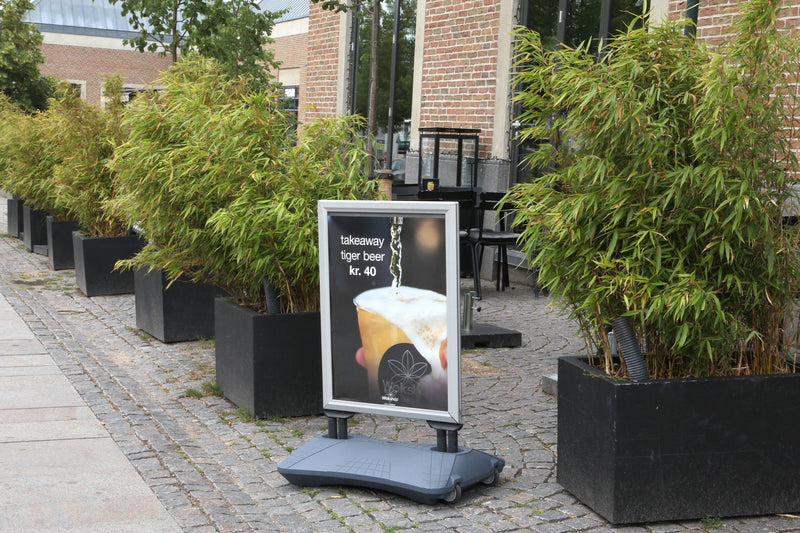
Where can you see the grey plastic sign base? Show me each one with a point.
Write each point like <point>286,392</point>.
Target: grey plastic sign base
<point>416,471</point>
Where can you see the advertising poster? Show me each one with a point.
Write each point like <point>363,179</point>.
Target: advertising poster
<point>389,290</point>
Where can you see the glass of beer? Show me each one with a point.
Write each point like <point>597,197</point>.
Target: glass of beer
<point>388,316</point>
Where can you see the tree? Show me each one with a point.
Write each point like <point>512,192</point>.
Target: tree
<point>372,128</point>
<point>234,32</point>
<point>405,63</point>
<point>163,25</point>
<point>20,57</point>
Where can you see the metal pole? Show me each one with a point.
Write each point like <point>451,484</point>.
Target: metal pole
<point>692,7</point>
<point>392,83</point>
<point>354,56</point>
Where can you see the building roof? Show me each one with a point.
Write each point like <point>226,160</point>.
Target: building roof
<point>100,18</point>
<point>296,9</point>
<point>81,17</point>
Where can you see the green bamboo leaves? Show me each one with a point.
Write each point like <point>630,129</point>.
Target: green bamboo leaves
<point>214,177</point>
<point>671,174</point>
<point>56,159</point>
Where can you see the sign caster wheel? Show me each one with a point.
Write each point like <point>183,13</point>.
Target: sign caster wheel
<point>454,495</point>
<point>492,479</point>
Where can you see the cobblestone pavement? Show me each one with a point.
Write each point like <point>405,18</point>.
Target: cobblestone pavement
<point>214,469</point>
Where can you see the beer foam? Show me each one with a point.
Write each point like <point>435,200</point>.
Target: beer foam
<point>420,313</point>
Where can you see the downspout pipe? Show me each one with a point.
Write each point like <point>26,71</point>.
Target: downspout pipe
<point>634,360</point>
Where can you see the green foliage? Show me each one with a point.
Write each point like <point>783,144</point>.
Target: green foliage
<point>281,202</point>
<point>192,148</point>
<point>336,6</point>
<point>236,34</point>
<point>211,389</point>
<point>20,57</point>
<point>26,155</point>
<point>56,159</point>
<point>670,168</point>
<point>83,137</point>
<point>163,25</point>
<point>211,175</point>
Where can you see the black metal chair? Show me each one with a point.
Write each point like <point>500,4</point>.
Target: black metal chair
<point>500,234</point>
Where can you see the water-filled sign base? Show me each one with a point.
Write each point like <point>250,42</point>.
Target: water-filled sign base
<point>419,472</point>
<point>489,336</point>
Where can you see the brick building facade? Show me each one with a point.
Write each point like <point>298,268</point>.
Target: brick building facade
<point>715,16</point>
<point>325,66</point>
<point>462,68</point>
<point>87,63</point>
<point>83,45</point>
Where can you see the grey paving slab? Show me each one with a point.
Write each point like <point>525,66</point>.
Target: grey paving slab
<point>20,347</point>
<point>50,423</point>
<point>81,485</point>
<point>60,469</point>
<point>12,327</point>
<point>31,391</point>
<point>26,361</point>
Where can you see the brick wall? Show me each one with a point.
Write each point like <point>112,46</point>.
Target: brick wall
<point>91,65</point>
<point>715,17</point>
<point>323,62</point>
<point>459,66</point>
<point>292,52</point>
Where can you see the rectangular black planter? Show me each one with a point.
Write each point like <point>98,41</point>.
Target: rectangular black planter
<point>35,235</point>
<point>269,364</point>
<point>15,217</point>
<point>95,259</point>
<point>678,449</point>
<point>182,312</point>
<point>60,252</point>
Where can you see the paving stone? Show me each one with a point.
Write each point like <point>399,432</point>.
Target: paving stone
<point>214,472</point>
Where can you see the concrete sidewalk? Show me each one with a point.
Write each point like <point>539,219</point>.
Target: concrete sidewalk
<point>60,470</point>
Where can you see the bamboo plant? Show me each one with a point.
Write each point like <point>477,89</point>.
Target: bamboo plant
<point>670,190</point>
<point>83,140</point>
<point>212,176</point>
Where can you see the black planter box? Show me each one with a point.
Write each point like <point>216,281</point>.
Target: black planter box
<point>678,449</point>
<point>35,235</point>
<point>269,364</point>
<point>95,259</point>
<point>182,312</point>
<point>15,217</point>
<point>60,252</point>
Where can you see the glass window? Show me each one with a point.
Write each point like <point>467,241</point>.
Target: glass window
<point>568,22</point>
<point>622,13</point>
<point>543,18</point>
<point>583,22</point>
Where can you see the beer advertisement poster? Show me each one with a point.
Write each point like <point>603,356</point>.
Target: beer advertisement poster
<point>389,306</point>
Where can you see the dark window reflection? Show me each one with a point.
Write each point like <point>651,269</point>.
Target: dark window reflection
<point>543,18</point>
<point>583,23</point>
<point>583,20</point>
<point>622,13</point>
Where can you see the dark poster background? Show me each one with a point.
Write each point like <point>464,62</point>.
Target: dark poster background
<point>423,267</point>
